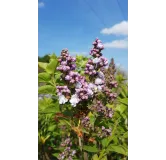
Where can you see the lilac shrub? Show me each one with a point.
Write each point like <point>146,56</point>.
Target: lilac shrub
<point>84,89</point>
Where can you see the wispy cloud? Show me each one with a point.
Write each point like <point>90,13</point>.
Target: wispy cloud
<point>41,4</point>
<point>118,29</point>
<point>122,44</point>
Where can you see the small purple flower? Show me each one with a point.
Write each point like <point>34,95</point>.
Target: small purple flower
<point>100,75</point>
<point>110,115</point>
<point>78,85</point>
<point>64,63</point>
<point>98,81</point>
<point>103,128</point>
<point>73,152</point>
<point>100,46</point>
<point>67,78</point>
<point>96,60</point>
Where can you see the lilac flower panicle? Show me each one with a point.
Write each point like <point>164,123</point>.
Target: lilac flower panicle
<point>114,84</point>
<point>86,123</point>
<point>105,132</point>
<point>109,94</point>
<point>68,153</point>
<point>98,61</point>
<point>66,62</point>
<point>83,91</point>
<point>90,69</point>
<point>101,109</point>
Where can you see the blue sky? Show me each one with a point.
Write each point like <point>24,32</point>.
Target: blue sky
<point>74,24</point>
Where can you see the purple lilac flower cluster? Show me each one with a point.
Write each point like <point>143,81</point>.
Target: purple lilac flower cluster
<point>105,132</point>
<point>90,68</point>
<point>109,75</point>
<point>67,62</point>
<point>112,96</point>
<point>62,90</point>
<point>83,90</point>
<point>68,153</point>
<point>114,84</point>
<point>102,62</point>
<point>93,65</point>
<point>100,108</point>
<point>98,46</point>
<point>86,123</point>
<point>84,93</point>
<point>98,62</point>
<point>73,77</point>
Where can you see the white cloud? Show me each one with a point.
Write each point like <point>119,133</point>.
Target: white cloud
<point>123,44</point>
<point>118,29</point>
<point>41,4</point>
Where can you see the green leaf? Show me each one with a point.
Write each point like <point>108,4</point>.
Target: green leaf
<point>46,89</point>
<point>125,135</point>
<point>90,148</point>
<point>121,108</point>
<point>92,118</point>
<point>118,149</point>
<point>51,128</point>
<point>124,101</point>
<point>50,109</point>
<point>55,155</point>
<point>43,103</point>
<point>51,67</point>
<point>95,157</point>
<point>53,56</point>
<point>110,106</point>
<point>64,122</point>
<point>105,142</point>
<point>104,158</point>
<point>57,76</point>
<point>110,138</point>
<point>115,140</point>
<point>47,106</point>
<point>79,58</point>
<point>43,77</point>
<point>102,154</point>
<point>42,65</point>
<point>124,91</point>
<point>84,131</point>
